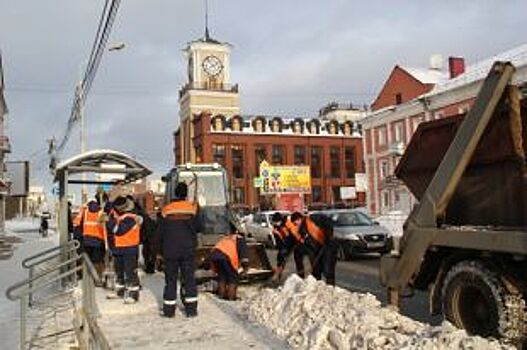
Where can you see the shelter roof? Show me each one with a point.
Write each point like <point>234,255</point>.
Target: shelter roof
<point>100,161</point>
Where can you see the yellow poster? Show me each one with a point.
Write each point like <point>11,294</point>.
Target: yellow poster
<point>284,179</point>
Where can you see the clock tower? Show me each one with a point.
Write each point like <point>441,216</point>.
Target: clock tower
<point>208,89</point>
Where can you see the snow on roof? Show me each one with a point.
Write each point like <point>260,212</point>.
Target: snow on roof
<point>426,76</point>
<point>479,70</point>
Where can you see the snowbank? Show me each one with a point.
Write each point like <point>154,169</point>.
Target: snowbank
<point>309,314</point>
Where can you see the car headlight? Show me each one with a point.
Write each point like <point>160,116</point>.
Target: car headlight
<point>352,237</point>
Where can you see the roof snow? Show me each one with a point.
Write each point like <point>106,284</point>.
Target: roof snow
<point>479,70</point>
<point>426,76</point>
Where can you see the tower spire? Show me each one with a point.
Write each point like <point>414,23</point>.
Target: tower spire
<point>207,35</point>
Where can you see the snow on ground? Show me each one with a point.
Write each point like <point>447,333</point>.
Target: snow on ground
<point>140,326</point>
<point>11,271</point>
<point>309,314</point>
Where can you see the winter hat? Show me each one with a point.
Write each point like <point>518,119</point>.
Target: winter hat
<point>181,191</point>
<point>123,204</point>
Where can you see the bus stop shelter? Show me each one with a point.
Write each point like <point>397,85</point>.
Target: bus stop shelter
<point>99,161</point>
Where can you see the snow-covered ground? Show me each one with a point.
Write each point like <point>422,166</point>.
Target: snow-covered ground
<point>312,315</point>
<point>11,271</point>
<point>218,325</point>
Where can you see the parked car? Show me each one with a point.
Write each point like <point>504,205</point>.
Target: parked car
<point>259,227</point>
<point>357,233</point>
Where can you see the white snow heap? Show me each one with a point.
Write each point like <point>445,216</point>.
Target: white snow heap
<point>309,314</point>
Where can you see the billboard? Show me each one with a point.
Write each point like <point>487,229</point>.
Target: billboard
<point>18,176</point>
<point>283,179</point>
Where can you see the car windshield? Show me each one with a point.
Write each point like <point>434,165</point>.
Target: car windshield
<point>211,187</point>
<point>351,219</point>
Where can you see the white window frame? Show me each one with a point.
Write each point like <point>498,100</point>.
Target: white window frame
<point>384,168</point>
<point>382,135</point>
<point>399,130</point>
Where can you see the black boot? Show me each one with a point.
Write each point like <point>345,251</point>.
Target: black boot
<point>169,310</point>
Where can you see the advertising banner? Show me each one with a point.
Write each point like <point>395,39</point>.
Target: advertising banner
<point>284,179</point>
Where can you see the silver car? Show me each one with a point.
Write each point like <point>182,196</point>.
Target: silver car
<point>356,233</point>
<point>260,228</point>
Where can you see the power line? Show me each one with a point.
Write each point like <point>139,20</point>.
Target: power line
<point>82,90</point>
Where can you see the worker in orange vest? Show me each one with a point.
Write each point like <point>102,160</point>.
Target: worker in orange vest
<point>293,243</point>
<point>321,248</point>
<point>178,242</point>
<point>124,240</point>
<point>91,231</point>
<point>226,258</point>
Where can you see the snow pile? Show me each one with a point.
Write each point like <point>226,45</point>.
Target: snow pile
<point>309,314</point>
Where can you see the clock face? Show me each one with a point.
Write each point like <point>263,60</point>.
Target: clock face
<point>212,65</point>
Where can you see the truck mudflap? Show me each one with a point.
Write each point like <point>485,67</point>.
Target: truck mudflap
<point>260,268</point>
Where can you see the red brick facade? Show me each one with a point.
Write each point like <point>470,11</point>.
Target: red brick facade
<point>327,176</point>
<point>400,87</point>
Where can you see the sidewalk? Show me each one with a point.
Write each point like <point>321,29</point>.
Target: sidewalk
<point>218,325</point>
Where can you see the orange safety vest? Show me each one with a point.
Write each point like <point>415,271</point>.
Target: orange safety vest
<point>294,230</point>
<point>91,225</point>
<point>179,207</point>
<point>130,238</point>
<point>229,246</point>
<point>280,232</point>
<point>314,231</point>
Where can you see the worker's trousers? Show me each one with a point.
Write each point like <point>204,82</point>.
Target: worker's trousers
<point>323,261</point>
<point>182,268</point>
<point>125,266</point>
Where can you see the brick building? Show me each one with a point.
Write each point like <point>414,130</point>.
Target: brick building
<point>212,129</point>
<point>333,151</point>
<point>409,97</point>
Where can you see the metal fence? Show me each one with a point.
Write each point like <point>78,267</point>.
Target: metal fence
<point>64,272</point>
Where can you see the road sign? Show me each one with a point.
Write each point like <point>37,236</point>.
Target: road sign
<point>285,179</point>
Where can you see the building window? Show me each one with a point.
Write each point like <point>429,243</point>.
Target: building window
<point>259,156</point>
<point>300,155</point>
<point>336,194</point>
<point>349,160</point>
<point>316,193</point>
<point>399,132</point>
<point>384,169</point>
<point>237,161</point>
<point>238,195</point>
<point>385,197</point>
<point>398,98</point>
<point>278,155</point>
<point>316,162</point>
<point>334,159</point>
<point>382,136</point>
<point>218,154</point>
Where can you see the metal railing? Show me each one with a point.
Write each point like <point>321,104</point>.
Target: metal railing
<point>87,331</point>
<point>32,262</point>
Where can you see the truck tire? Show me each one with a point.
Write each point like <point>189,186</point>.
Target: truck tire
<point>474,298</point>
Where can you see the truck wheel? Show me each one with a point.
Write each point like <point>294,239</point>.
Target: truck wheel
<point>475,299</point>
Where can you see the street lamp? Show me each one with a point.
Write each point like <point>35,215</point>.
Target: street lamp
<point>84,193</point>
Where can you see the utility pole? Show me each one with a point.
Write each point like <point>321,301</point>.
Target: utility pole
<point>80,114</point>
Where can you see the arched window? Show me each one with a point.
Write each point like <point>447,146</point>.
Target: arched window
<point>276,124</point>
<point>258,124</point>
<point>218,123</point>
<point>236,123</point>
<point>313,126</point>
<point>297,125</point>
<point>332,127</point>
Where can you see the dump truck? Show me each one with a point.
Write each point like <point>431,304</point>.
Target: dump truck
<point>208,187</point>
<point>465,242</point>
